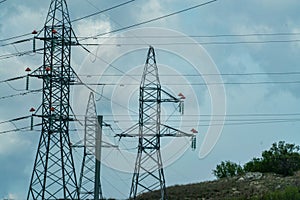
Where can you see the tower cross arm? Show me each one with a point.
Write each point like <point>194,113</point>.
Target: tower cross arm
<point>127,132</point>
<point>169,97</point>
<point>45,71</point>
<point>168,131</point>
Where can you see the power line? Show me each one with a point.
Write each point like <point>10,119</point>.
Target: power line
<point>15,37</point>
<point>202,84</point>
<point>111,18</point>
<point>18,54</point>
<point>196,43</point>
<point>247,118</point>
<point>202,36</point>
<point>20,94</point>
<point>12,79</point>
<point>251,123</point>
<point>220,120</point>
<point>227,74</point>
<point>102,11</point>
<point>249,42</point>
<point>109,64</point>
<point>2,1</point>
<point>176,36</point>
<point>184,43</point>
<point>197,75</point>
<point>75,20</point>
<point>14,120</point>
<point>151,20</point>
<point>16,42</point>
<point>6,56</point>
<point>227,115</point>
<point>243,123</point>
<point>101,94</point>
<point>27,128</point>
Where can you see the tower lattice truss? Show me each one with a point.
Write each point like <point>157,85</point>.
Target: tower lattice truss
<point>53,175</point>
<point>149,173</point>
<point>89,182</point>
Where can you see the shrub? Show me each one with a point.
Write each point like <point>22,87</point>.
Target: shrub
<point>289,193</point>
<point>227,169</point>
<point>282,159</point>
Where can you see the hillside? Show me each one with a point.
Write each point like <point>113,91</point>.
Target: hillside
<point>248,186</point>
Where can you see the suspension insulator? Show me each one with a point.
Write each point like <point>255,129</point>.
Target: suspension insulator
<point>31,123</point>
<point>33,45</point>
<point>182,108</point>
<point>27,82</point>
<point>193,145</point>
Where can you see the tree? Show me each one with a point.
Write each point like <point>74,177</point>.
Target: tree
<point>254,165</point>
<point>282,159</point>
<point>227,169</point>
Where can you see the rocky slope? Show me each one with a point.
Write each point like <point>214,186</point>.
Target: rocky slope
<point>248,186</point>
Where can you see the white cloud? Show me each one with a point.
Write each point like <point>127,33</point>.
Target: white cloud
<point>92,27</point>
<point>11,142</point>
<point>13,197</point>
<point>252,28</point>
<point>270,4</point>
<point>151,9</point>
<point>24,19</point>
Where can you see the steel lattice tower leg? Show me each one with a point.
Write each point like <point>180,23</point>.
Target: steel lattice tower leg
<point>53,175</point>
<point>148,173</point>
<point>89,182</point>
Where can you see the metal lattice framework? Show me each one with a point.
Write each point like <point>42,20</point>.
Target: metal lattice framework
<point>148,173</point>
<point>149,157</point>
<point>89,182</point>
<point>53,175</point>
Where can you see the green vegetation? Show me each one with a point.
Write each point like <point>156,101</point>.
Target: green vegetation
<point>227,169</point>
<point>281,159</point>
<point>274,176</point>
<point>289,193</point>
<point>269,186</point>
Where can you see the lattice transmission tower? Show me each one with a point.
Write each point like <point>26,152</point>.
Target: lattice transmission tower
<point>148,173</point>
<point>89,182</point>
<point>53,175</point>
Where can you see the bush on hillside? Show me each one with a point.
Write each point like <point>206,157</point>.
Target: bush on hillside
<point>281,158</point>
<point>227,169</point>
<point>289,193</point>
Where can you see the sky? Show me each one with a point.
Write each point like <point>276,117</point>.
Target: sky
<point>249,48</point>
